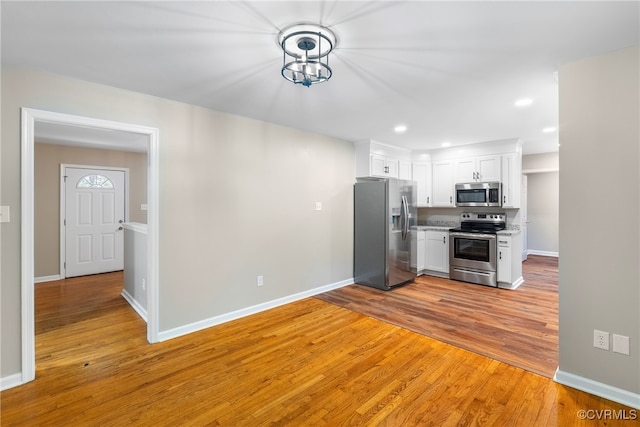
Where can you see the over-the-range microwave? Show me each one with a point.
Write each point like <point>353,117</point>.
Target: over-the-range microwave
<point>479,194</point>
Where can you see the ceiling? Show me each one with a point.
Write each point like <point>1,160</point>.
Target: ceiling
<point>449,71</point>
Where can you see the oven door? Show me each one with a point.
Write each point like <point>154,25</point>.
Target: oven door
<point>472,250</point>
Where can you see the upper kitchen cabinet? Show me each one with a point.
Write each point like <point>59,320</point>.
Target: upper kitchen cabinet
<point>383,166</point>
<point>477,169</point>
<point>381,160</point>
<point>404,170</point>
<point>443,187</point>
<point>421,174</point>
<point>511,180</point>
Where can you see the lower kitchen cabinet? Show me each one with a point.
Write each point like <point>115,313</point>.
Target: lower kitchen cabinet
<point>417,250</point>
<point>509,266</point>
<point>436,260</point>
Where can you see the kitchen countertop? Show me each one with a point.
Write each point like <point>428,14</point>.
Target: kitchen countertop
<point>433,227</point>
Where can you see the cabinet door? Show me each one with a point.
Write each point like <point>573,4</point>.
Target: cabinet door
<point>511,181</point>
<point>392,168</point>
<point>504,259</point>
<point>437,254</point>
<point>404,169</point>
<point>442,191</point>
<point>378,165</point>
<point>488,168</point>
<point>465,170</point>
<point>421,174</point>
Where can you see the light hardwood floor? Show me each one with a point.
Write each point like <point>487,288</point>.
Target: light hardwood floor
<point>519,327</point>
<point>309,363</point>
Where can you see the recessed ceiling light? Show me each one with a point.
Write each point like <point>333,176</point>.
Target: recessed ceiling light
<point>400,129</point>
<point>549,129</point>
<point>446,144</point>
<point>524,102</point>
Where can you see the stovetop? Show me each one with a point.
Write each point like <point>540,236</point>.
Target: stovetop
<point>487,223</point>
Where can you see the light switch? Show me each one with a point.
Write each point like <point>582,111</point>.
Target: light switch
<point>143,207</point>
<point>621,344</point>
<point>5,215</point>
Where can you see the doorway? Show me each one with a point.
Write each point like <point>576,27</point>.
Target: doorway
<point>29,119</point>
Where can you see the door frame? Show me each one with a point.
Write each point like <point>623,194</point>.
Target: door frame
<point>63,206</point>
<point>29,117</point>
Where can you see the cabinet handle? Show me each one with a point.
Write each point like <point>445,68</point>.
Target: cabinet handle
<point>427,199</point>
<point>444,239</point>
<point>504,199</point>
<point>500,254</point>
<point>451,199</point>
<point>386,169</point>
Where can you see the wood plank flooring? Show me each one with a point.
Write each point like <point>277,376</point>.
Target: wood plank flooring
<point>309,363</point>
<point>518,327</point>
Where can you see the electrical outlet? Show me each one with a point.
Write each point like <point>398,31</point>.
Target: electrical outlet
<point>601,339</point>
<point>318,206</point>
<point>259,281</point>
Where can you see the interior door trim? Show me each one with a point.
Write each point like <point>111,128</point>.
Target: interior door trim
<point>29,117</point>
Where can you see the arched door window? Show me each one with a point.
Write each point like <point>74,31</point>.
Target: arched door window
<point>94,181</point>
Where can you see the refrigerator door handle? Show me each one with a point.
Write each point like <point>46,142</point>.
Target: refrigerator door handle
<point>405,217</point>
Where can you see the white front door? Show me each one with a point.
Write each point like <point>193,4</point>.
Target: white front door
<point>95,211</point>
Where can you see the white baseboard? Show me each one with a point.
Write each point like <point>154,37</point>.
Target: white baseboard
<point>542,253</point>
<point>43,279</point>
<point>227,317</point>
<point>135,305</point>
<point>11,381</point>
<point>597,388</point>
<point>513,285</point>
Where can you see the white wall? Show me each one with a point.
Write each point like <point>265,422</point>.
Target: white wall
<point>599,216</point>
<point>237,200</point>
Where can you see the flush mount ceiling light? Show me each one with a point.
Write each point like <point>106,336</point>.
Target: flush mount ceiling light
<point>523,102</point>
<point>400,129</point>
<point>306,49</point>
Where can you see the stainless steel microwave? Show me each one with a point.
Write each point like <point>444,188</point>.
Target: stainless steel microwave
<point>479,194</point>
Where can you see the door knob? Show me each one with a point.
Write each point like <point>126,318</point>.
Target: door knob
<point>119,228</point>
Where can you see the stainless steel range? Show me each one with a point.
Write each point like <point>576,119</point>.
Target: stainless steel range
<point>473,248</point>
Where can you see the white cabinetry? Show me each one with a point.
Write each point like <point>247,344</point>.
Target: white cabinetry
<point>421,174</point>
<point>383,166</point>
<point>417,250</point>
<point>511,180</point>
<point>509,264</point>
<point>381,160</point>
<point>477,169</point>
<point>437,252</point>
<point>443,184</point>
<point>404,169</point>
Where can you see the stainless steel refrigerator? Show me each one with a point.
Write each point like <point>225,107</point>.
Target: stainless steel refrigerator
<point>384,212</point>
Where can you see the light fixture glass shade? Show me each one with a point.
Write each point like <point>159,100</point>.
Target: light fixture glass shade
<point>306,49</point>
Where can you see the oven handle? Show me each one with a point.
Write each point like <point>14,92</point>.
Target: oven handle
<point>472,235</point>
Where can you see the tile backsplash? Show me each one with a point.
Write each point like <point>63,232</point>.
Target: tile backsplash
<point>450,217</point>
